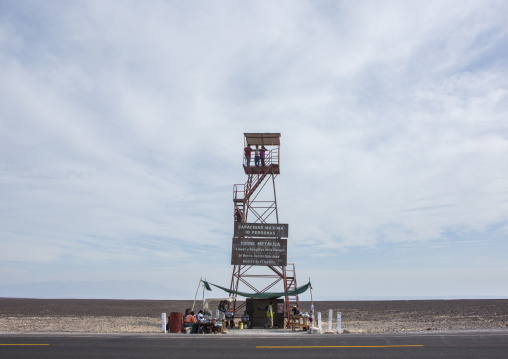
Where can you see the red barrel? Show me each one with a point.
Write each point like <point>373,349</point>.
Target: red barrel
<point>175,322</point>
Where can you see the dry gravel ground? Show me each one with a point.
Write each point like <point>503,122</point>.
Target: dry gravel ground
<point>144,316</point>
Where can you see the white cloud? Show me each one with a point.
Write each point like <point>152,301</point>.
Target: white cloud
<point>121,127</point>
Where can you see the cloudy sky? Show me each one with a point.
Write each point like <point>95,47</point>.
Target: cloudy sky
<point>121,136</point>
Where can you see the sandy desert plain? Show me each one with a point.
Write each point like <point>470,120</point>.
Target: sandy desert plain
<point>144,316</point>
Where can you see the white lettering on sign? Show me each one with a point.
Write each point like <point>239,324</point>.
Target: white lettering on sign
<point>273,227</point>
<point>259,251</point>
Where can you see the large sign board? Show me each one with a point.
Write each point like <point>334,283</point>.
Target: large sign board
<point>260,230</point>
<point>259,252</point>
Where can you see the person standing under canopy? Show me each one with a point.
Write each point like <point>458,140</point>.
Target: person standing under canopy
<point>230,319</point>
<point>269,316</point>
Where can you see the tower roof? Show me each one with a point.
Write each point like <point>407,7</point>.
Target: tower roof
<point>267,139</point>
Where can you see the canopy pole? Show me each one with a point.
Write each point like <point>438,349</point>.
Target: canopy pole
<point>312,305</point>
<point>204,294</point>
<point>197,290</point>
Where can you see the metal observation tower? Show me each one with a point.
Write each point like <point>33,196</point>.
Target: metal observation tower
<point>259,250</point>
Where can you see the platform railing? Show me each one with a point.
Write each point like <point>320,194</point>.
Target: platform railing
<point>271,157</point>
<point>239,191</point>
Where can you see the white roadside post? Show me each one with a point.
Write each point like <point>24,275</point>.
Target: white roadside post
<point>163,317</point>
<point>339,324</point>
<point>330,320</point>
<point>318,322</point>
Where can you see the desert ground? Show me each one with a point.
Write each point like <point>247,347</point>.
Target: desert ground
<point>144,316</point>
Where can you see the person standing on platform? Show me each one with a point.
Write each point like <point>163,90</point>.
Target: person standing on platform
<point>263,152</point>
<point>269,316</point>
<point>247,150</point>
<point>256,156</point>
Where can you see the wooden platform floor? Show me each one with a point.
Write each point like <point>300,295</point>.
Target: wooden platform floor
<point>261,169</point>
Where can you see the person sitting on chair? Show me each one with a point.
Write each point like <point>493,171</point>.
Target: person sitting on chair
<point>245,320</point>
<point>199,317</point>
<point>190,322</point>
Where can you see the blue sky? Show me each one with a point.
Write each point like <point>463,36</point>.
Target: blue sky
<point>121,136</point>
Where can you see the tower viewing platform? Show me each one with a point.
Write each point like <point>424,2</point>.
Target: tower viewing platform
<point>261,153</point>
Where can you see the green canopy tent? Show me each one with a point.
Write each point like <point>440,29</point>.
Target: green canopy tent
<point>265,295</point>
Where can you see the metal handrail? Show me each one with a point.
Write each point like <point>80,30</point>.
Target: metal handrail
<point>272,157</point>
<point>237,190</point>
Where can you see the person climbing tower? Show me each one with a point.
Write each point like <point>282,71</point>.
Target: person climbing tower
<point>238,215</point>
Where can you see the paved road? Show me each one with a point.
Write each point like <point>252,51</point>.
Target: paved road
<point>393,346</point>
